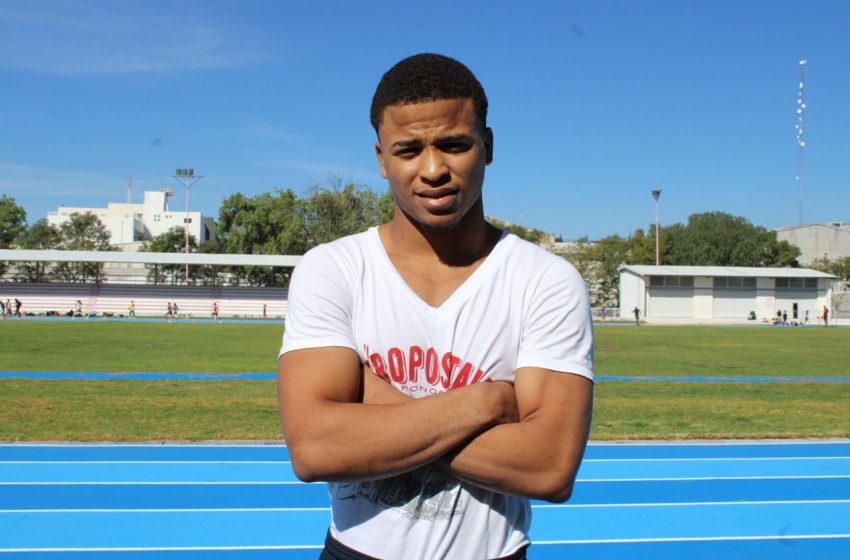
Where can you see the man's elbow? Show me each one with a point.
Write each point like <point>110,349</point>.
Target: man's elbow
<point>554,487</point>
<point>306,460</point>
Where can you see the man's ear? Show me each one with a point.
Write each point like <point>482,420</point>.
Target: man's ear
<point>488,145</point>
<point>380,155</point>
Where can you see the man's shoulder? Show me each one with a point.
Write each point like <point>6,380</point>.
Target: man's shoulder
<point>534,260</point>
<point>355,245</point>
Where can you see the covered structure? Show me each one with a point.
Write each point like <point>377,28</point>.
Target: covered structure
<point>115,297</point>
<point>723,293</point>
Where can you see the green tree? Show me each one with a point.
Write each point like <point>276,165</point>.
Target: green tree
<point>281,223</point>
<point>331,213</point>
<point>172,241</point>
<point>721,239</point>
<point>39,236</point>
<point>13,221</point>
<point>82,232</point>
<point>527,233</point>
<point>840,266</point>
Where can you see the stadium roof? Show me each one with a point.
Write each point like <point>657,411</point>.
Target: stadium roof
<point>148,258</point>
<point>712,271</point>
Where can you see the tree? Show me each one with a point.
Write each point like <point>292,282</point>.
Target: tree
<point>82,232</point>
<point>172,241</point>
<point>281,223</point>
<point>39,236</point>
<point>527,233</point>
<point>839,267</point>
<point>13,221</point>
<point>721,239</point>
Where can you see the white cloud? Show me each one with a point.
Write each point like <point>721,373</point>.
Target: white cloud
<point>78,37</point>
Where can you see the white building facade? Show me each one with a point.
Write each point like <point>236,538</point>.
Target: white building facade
<point>723,294</point>
<point>129,223</point>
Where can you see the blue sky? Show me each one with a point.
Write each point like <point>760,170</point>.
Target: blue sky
<point>593,103</point>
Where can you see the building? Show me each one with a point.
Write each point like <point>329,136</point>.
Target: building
<point>817,241</point>
<point>129,223</point>
<point>723,294</point>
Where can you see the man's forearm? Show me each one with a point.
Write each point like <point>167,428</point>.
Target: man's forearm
<point>332,438</point>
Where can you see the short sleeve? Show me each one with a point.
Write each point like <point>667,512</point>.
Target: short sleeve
<point>558,328</point>
<point>318,313</point>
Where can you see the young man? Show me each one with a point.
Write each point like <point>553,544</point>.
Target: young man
<point>435,370</point>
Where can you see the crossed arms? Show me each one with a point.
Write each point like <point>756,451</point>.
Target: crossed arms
<point>343,423</point>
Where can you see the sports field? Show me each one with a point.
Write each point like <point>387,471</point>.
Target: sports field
<point>692,382</point>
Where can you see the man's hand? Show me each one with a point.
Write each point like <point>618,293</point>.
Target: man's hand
<point>376,390</point>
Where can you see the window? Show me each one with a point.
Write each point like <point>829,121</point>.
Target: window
<point>797,283</point>
<point>671,281</point>
<point>735,282</point>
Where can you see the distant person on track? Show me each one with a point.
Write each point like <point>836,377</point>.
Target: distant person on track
<point>215,312</point>
<point>131,311</point>
<point>825,314</point>
<point>18,304</point>
<point>603,314</point>
<point>435,369</point>
<point>636,312</point>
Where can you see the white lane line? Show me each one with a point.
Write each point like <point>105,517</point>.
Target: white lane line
<point>226,462</point>
<point>685,479</point>
<point>713,459</point>
<point>166,510</point>
<point>721,443</point>
<point>319,546</point>
<point>156,483</point>
<point>534,506</point>
<point>145,462</point>
<point>689,504</point>
<point>169,548</point>
<point>695,539</point>
<point>295,482</point>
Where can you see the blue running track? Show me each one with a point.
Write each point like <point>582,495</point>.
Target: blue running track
<point>658,501</point>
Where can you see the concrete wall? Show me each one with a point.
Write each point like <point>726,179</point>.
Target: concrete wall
<point>816,241</point>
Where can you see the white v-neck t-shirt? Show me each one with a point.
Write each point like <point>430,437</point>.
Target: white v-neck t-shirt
<point>522,307</point>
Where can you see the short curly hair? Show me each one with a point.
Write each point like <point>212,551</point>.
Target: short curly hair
<point>428,77</point>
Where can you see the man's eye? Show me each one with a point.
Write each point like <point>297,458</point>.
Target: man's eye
<point>407,152</point>
<point>455,147</point>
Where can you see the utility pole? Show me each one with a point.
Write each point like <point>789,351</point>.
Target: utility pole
<point>801,108</point>
<point>656,194</point>
<point>187,178</point>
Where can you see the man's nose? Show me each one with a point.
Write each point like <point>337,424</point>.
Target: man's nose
<point>435,169</point>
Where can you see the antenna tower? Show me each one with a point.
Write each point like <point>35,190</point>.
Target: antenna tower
<point>801,108</point>
<point>129,188</point>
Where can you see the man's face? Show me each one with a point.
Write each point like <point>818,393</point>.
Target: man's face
<point>433,154</point>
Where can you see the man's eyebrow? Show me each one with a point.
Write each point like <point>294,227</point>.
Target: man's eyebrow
<point>456,138</point>
<point>406,144</point>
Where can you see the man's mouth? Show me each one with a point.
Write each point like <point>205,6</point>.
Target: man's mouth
<point>437,199</point>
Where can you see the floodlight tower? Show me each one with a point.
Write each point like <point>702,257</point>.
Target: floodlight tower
<point>187,178</point>
<point>801,108</point>
<point>656,194</point>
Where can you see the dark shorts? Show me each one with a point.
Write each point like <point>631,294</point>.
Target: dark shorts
<point>335,550</point>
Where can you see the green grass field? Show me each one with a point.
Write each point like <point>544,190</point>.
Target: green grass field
<point>142,410</point>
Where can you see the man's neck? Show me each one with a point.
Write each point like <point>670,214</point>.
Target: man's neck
<point>461,246</point>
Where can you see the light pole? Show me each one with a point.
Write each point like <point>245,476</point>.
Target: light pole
<point>656,194</point>
<point>187,178</point>
<point>801,142</point>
